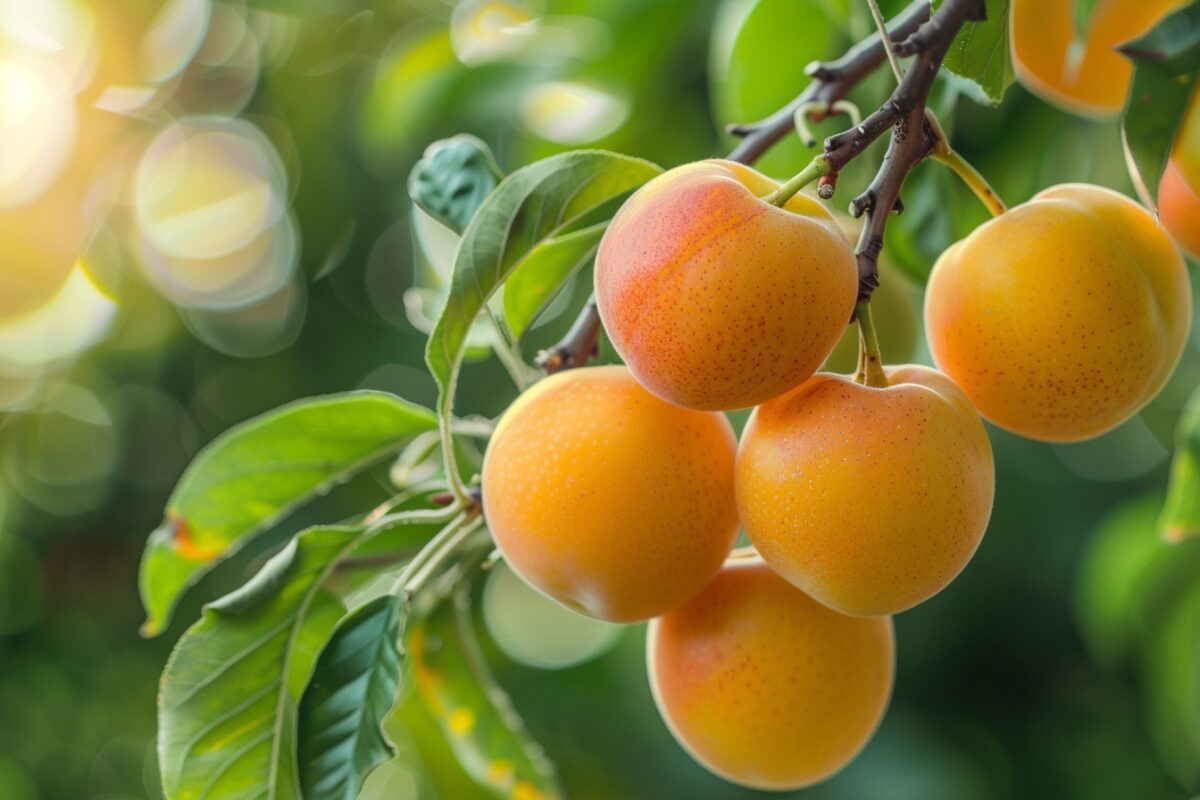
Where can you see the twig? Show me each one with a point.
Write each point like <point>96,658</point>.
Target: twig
<point>877,15</point>
<point>581,343</point>
<point>830,82</point>
<point>913,138</point>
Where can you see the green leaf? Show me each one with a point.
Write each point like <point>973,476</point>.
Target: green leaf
<point>487,736</point>
<point>980,52</point>
<point>938,210</point>
<point>531,287</point>
<point>1166,62</point>
<point>529,206</point>
<point>255,474</point>
<point>353,688</point>
<point>1084,9</point>
<point>1171,678</point>
<point>453,178</point>
<point>1181,515</point>
<point>1114,574</point>
<point>230,692</point>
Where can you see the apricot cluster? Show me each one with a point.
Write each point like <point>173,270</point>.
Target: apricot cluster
<point>618,491</point>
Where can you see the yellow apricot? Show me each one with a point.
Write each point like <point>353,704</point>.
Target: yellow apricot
<point>608,499</point>
<point>871,500</point>
<point>1179,208</point>
<point>715,298</point>
<point>763,685</point>
<point>1062,317</point>
<point>1088,77</point>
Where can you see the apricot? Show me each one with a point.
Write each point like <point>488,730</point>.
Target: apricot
<point>1179,209</point>
<point>717,299</point>
<point>608,499</point>
<point>763,685</point>
<point>1088,77</point>
<point>870,500</point>
<point>1062,317</point>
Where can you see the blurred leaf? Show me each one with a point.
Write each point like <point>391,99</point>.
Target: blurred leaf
<point>452,179</point>
<point>981,51</point>
<point>1083,18</point>
<point>230,692</point>
<point>1181,515</point>
<point>411,89</point>
<point>353,688</point>
<point>938,210</point>
<point>1172,685</point>
<point>1166,62</point>
<point>476,716</point>
<point>255,474</point>
<point>529,206</point>
<point>759,48</point>
<point>1113,575</point>
<point>531,287</point>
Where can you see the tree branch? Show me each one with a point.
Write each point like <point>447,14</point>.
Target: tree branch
<point>913,137</point>
<point>914,32</point>
<point>581,343</point>
<point>831,81</point>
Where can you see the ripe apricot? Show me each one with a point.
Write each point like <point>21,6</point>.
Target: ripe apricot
<point>1179,208</point>
<point>1062,317</point>
<point>608,499</point>
<point>870,500</point>
<point>717,299</point>
<point>1088,77</point>
<point>763,685</point>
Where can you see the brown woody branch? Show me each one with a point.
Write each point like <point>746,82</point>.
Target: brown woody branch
<point>913,136</point>
<point>831,81</point>
<point>914,32</point>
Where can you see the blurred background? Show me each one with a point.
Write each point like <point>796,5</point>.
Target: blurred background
<point>203,215</point>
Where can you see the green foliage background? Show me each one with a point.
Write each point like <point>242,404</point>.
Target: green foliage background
<point>998,695</point>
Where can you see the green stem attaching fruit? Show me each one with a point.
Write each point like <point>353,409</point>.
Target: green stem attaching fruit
<point>870,363</point>
<point>943,153</point>
<point>817,168</point>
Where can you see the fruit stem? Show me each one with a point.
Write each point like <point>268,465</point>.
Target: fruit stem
<point>877,15</point>
<point>943,153</point>
<point>817,168</point>
<point>870,363</point>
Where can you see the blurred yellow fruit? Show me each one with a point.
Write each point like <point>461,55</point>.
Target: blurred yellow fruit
<point>1088,77</point>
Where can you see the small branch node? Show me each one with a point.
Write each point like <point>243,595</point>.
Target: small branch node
<point>827,186</point>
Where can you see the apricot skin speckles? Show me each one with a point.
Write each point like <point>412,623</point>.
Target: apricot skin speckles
<point>716,299</point>
<point>1075,365</point>
<point>615,503</point>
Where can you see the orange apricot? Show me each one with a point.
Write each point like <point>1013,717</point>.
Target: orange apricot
<point>763,685</point>
<point>1062,317</point>
<point>717,299</point>
<point>870,500</point>
<point>608,499</point>
<point>1179,209</point>
<point>1088,77</point>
